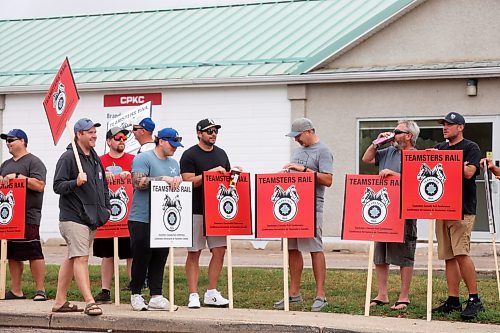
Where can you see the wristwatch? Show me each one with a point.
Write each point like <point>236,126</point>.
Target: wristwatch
<point>17,174</point>
<point>305,169</point>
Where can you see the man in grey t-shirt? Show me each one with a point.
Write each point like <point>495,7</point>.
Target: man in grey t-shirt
<point>312,155</point>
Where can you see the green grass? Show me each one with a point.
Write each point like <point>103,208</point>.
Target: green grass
<point>258,288</point>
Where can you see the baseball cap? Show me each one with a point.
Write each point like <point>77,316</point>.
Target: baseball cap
<point>170,135</point>
<point>114,131</point>
<point>15,133</point>
<point>85,124</point>
<point>205,124</point>
<point>453,118</point>
<point>300,125</point>
<point>147,123</point>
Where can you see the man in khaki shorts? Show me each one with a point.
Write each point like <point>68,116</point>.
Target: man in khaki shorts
<point>454,236</point>
<point>83,206</point>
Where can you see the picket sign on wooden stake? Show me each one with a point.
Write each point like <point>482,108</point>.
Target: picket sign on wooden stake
<point>171,279</point>
<point>3,269</point>
<point>229,272</point>
<point>369,279</point>
<point>116,267</point>
<point>285,274</point>
<point>430,249</point>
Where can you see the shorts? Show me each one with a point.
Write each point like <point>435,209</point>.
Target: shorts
<point>78,238</point>
<point>104,248</point>
<point>399,254</point>
<point>453,237</point>
<point>28,248</point>
<point>200,241</point>
<point>309,244</point>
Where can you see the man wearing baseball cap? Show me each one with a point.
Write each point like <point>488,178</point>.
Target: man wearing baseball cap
<point>205,156</point>
<point>453,237</point>
<point>312,156</point>
<point>143,133</point>
<point>24,165</point>
<point>83,206</point>
<point>152,165</point>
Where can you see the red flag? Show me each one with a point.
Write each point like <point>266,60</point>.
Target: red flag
<point>61,100</point>
<point>13,209</point>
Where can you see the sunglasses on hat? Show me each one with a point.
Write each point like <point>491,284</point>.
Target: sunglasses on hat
<point>174,139</point>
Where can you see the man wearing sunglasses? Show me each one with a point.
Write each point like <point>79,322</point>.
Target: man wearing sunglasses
<point>312,156</point>
<point>143,133</point>
<point>205,156</point>
<point>115,162</point>
<point>156,164</point>
<point>83,207</point>
<point>404,137</point>
<point>453,237</point>
<point>24,165</point>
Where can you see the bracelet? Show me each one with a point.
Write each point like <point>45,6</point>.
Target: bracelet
<point>17,174</point>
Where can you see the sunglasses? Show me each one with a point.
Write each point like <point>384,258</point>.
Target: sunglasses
<point>211,131</point>
<point>396,132</point>
<point>120,138</point>
<point>137,128</point>
<point>10,140</point>
<point>174,139</point>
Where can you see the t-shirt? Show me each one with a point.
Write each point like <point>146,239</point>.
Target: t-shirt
<point>146,147</point>
<point>30,166</point>
<point>124,162</point>
<point>316,157</point>
<point>472,154</point>
<point>196,160</point>
<point>152,166</point>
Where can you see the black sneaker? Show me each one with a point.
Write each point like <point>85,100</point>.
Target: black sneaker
<point>103,297</point>
<point>472,308</point>
<point>447,308</point>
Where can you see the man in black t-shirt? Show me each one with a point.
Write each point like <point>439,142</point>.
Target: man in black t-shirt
<point>454,236</point>
<point>205,156</point>
<point>24,165</point>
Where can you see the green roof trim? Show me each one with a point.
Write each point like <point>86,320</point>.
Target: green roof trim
<point>275,38</point>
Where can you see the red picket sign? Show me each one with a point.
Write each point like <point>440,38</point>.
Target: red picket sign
<point>13,209</point>
<point>120,195</point>
<point>61,100</point>
<point>227,209</point>
<point>285,205</point>
<point>431,184</point>
<point>371,209</point>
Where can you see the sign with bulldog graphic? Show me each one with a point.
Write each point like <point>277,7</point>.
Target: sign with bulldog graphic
<point>371,209</point>
<point>227,205</point>
<point>171,215</point>
<point>285,205</point>
<point>61,100</point>
<point>431,184</point>
<point>13,209</point>
<point>120,197</point>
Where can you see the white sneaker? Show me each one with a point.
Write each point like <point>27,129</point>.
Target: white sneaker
<point>138,303</point>
<point>160,303</point>
<point>214,298</point>
<point>194,301</point>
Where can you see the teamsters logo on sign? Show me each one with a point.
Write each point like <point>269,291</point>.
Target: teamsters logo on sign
<point>228,198</point>
<point>6,207</point>
<point>59,99</point>
<point>285,203</point>
<point>118,201</point>
<point>375,205</point>
<point>431,187</point>
<point>172,212</point>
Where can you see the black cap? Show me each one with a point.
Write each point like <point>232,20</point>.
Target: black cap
<point>205,124</point>
<point>453,118</point>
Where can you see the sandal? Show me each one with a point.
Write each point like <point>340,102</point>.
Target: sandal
<point>92,309</point>
<point>398,303</point>
<point>40,296</point>
<point>377,302</point>
<point>67,307</point>
<point>10,296</point>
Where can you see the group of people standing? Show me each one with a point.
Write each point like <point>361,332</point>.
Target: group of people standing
<point>84,206</point>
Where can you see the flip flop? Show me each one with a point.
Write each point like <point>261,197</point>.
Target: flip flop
<point>40,296</point>
<point>67,307</point>
<point>403,308</point>
<point>10,296</point>
<point>378,302</point>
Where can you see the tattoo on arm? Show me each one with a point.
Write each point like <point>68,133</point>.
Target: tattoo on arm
<point>141,182</point>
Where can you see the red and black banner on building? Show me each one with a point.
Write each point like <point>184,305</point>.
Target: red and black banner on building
<point>431,184</point>
<point>61,100</point>
<point>228,209</point>
<point>371,209</point>
<point>285,205</point>
<point>120,197</point>
<point>13,209</point>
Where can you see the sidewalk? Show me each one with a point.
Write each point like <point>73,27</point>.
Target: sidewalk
<point>26,313</point>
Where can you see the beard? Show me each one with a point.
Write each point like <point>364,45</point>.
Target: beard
<point>120,148</point>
